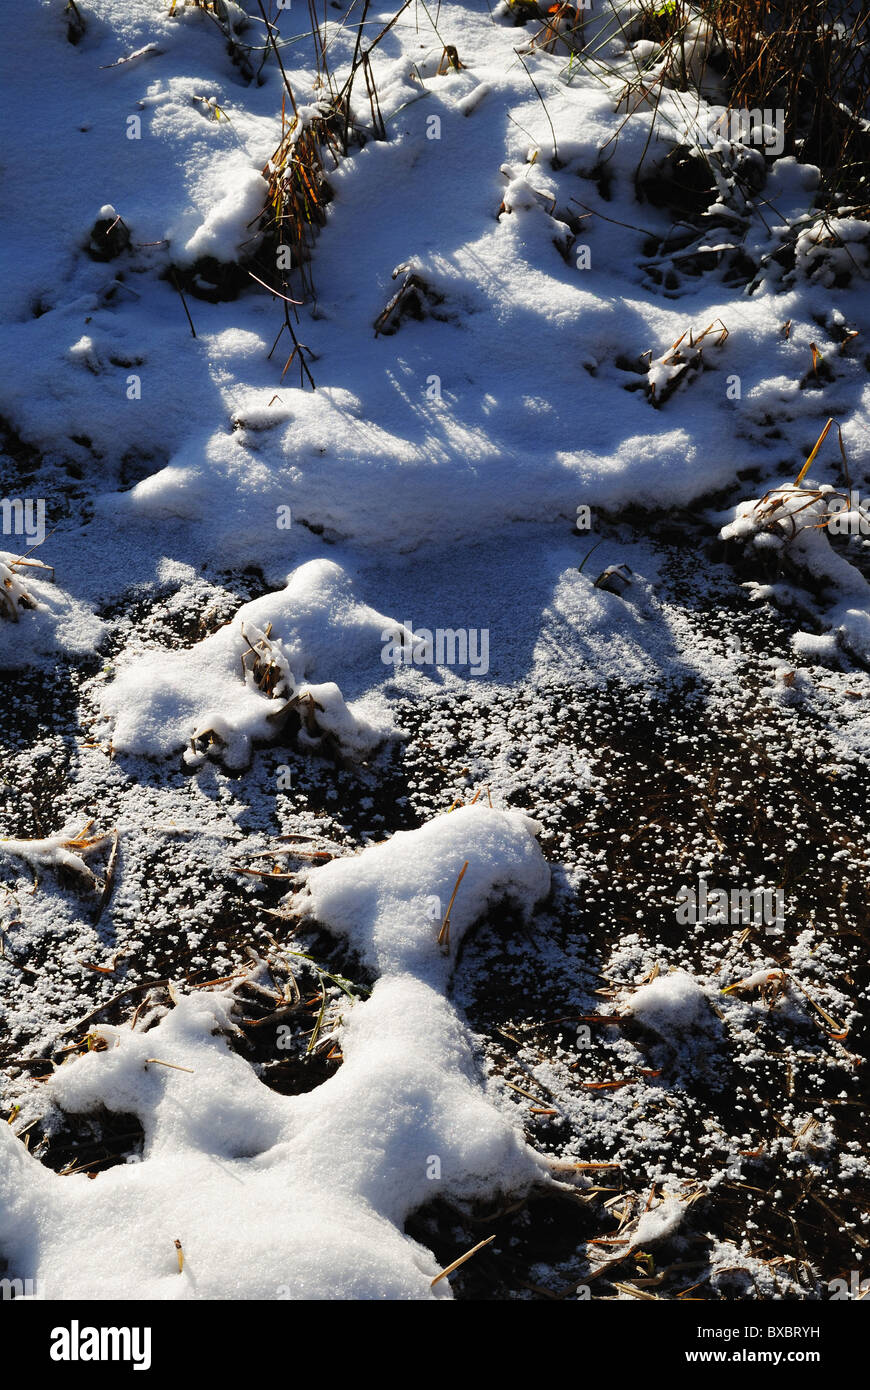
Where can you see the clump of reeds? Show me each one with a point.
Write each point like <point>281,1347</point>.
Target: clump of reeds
<point>682,360</point>
<point>299,190</point>
<point>232,20</point>
<point>794,508</point>
<point>265,667</point>
<point>313,138</point>
<point>810,59</point>
<point>13,595</point>
<point>415,298</point>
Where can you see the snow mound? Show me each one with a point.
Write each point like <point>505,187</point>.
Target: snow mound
<point>240,683</point>
<point>832,249</point>
<point>797,519</point>
<point>670,1004</point>
<point>226,227</point>
<point>660,1223</point>
<point>391,900</point>
<point>37,619</point>
<point>321,1184</point>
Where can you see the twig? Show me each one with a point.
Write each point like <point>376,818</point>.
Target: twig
<point>444,933</point>
<point>270,32</point>
<point>556,161</point>
<point>183,301</point>
<point>109,882</point>
<point>461,1261</point>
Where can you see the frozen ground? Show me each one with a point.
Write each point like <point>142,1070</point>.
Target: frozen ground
<point>190,1051</point>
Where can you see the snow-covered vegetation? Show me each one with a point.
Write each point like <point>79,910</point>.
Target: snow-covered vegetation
<point>446,639</point>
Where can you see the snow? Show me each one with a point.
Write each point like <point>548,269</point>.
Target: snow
<point>226,227</point>
<point>324,1181</point>
<point>46,619</point>
<point>383,901</point>
<point>660,1223</point>
<point>228,552</point>
<point>57,851</point>
<point>161,701</point>
<point>517,433</point>
<point>671,1004</point>
<point>797,519</point>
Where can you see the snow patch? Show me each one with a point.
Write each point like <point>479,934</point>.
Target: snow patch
<point>322,1183</point>
<point>670,1005</point>
<point>162,701</point>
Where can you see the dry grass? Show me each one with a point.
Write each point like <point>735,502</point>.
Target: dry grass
<point>787,54</point>
<point>808,59</point>
<point>298,185</point>
<point>414,298</point>
<point>774,508</point>
<point>13,595</point>
<point>563,23</point>
<point>683,359</point>
<point>299,190</point>
<point>444,933</point>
